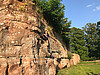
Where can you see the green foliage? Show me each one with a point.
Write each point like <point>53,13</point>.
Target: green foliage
<point>98,43</point>
<point>88,58</point>
<point>91,38</point>
<point>53,12</point>
<point>77,42</point>
<point>86,42</point>
<point>66,32</point>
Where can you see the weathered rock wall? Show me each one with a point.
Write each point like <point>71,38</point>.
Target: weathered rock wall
<point>68,63</point>
<point>25,48</point>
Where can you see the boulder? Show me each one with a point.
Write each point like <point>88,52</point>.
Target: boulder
<point>75,58</point>
<point>64,63</point>
<point>68,63</point>
<point>71,62</point>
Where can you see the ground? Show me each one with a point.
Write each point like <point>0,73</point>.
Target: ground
<point>83,68</point>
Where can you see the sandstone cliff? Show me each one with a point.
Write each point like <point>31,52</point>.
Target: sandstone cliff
<point>25,48</point>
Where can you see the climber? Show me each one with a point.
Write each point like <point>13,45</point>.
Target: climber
<point>20,0</point>
<point>45,35</point>
<point>34,1</point>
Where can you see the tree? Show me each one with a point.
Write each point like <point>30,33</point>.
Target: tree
<point>91,38</point>
<point>77,42</point>
<point>53,12</point>
<point>98,43</point>
<point>66,32</point>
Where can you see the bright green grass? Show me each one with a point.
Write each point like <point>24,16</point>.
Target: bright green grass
<point>81,69</point>
<point>83,62</point>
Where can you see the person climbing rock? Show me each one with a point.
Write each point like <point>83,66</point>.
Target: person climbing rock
<point>34,1</point>
<point>46,35</point>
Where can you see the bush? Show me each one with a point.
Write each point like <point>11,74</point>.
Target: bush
<point>88,59</point>
<point>69,55</point>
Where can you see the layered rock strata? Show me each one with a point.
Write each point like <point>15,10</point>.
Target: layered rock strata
<point>25,48</point>
<point>75,59</point>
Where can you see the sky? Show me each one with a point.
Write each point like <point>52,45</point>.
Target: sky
<point>81,12</point>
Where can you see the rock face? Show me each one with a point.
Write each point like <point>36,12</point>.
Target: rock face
<point>64,63</point>
<point>68,63</point>
<point>76,59</point>
<point>25,48</point>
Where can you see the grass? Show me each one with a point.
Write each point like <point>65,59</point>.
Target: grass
<point>83,62</point>
<point>81,69</point>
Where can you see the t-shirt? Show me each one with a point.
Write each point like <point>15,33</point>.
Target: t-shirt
<point>47,35</point>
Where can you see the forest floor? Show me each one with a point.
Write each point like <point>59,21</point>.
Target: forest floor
<point>82,68</point>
